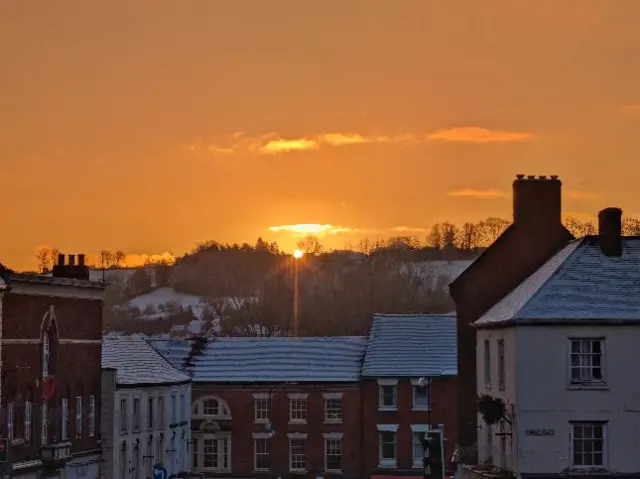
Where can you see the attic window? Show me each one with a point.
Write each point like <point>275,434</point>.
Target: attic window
<point>211,407</point>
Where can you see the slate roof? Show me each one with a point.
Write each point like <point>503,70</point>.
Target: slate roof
<point>137,363</point>
<point>578,284</point>
<point>411,346</point>
<point>268,360</point>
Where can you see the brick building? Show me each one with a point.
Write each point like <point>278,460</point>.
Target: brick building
<point>50,345</point>
<point>535,236</point>
<point>409,386</point>
<point>273,407</point>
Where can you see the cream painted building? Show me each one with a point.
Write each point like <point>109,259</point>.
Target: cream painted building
<point>559,351</point>
<point>151,422</point>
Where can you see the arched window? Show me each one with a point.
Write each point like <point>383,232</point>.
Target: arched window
<point>211,407</point>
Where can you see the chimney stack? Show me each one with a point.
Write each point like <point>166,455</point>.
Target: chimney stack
<point>610,231</point>
<point>70,269</point>
<point>537,202</point>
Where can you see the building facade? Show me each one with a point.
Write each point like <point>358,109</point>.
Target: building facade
<point>535,235</point>
<point>274,407</point>
<point>557,352</point>
<point>409,387</point>
<point>151,411</point>
<point>50,346</point>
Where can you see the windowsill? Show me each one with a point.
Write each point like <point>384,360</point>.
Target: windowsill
<point>420,408</point>
<point>333,421</point>
<point>261,469</point>
<point>261,421</point>
<point>418,465</point>
<point>333,471</point>
<point>388,464</point>
<point>298,471</point>
<point>124,431</point>
<point>592,386</point>
<point>501,388</point>
<point>298,421</point>
<point>387,408</point>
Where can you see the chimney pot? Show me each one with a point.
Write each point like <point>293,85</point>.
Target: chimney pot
<point>60,260</point>
<point>537,205</point>
<point>610,231</point>
<point>72,260</point>
<point>554,177</point>
<point>81,260</point>
<point>519,176</point>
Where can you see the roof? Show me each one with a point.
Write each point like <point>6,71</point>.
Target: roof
<point>267,360</point>
<point>578,284</point>
<point>137,363</point>
<point>412,346</point>
<point>44,279</point>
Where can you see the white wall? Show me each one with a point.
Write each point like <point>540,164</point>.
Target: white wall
<point>545,400</point>
<point>173,437</point>
<point>506,457</point>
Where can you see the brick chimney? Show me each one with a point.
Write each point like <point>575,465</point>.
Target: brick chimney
<point>537,202</point>
<point>610,231</point>
<point>70,269</point>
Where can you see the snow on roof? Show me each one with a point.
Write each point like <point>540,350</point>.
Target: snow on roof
<point>406,345</point>
<point>137,362</point>
<point>579,283</point>
<point>267,360</point>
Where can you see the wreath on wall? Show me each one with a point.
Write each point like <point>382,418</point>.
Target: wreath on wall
<point>493,410</point>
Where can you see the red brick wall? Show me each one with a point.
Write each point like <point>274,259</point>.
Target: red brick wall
<point>77,366</point>
<point>240,401</point>
<point>443,411</point>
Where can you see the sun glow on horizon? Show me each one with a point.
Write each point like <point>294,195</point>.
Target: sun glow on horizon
<point>298,253</point>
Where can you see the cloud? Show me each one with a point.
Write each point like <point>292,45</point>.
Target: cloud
<point>581,195</point>
<point>274,144</point>
<point>479,194</point>
<point>478,135</point>
<point>315,229</point>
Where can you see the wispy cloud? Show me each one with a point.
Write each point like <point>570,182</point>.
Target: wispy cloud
<point>490,194</point>
<point>480,194</point>
<point>274,144</point>
<point>474,134</point>
<point>316,229</point>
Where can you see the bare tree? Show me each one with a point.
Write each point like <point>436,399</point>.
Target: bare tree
<point>310,245</point>
<point>630,226</point>
<point>435,239</point>
<point>118,258</point>
<point>106,258</point>
<point>579,228</point>
<point>490,230</point>
<point>43,259</point>
<point>468,237</point>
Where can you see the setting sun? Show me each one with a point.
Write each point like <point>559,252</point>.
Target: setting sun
<point>297,254</point>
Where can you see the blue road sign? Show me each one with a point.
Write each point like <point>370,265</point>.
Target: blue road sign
<point>159,472</point>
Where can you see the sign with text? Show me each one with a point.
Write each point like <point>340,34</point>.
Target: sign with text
<point>539,432</point>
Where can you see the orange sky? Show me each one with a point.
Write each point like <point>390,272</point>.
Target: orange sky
<point>149,125</point>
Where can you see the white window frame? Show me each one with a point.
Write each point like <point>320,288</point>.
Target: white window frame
<point>161,412</point>
<point>297,436</point>
<point>221,439</point>
<point>79,417</point>
<point>44,426</point>
<point>604,451</point>
<point>261,408</point>
<point>418,461</point>
<point>64,433</point>
<point>332,415</point>
<point>261,436</point>
<point>46,354</point>
<point>295,413</point>
<point>388,463</point>
<point>415,386</point>
<point>10,419</point>
<point>124,415</point>
<point>587,382</point>
<point>329,438</point>
<point>92,416</point>
<point>384,383</point>
<point>28,418</point>
<point>487,364</point>
<point>195,453</point>
<point>501,370</point>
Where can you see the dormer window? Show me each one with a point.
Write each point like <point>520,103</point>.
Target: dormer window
<point>46,354</point>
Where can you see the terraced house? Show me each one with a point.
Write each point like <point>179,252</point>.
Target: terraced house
<point>274,407</point>
<point>149,404</point>
<point>409,387</point>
